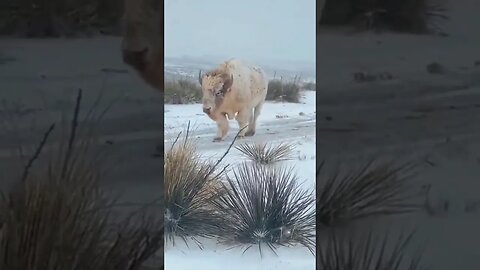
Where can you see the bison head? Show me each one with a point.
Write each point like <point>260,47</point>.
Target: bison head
<point>215,85</point>
<point>142,43</point>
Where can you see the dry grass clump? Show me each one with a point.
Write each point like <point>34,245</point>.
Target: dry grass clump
<point>350,252</point>
<point>311,86</point>
<point>265,154</point>
<point>182,91</point>
<point>265,206</point>
<point>374,189</point>
<point>190,186</point>
<point>57,216</point>
<point>284,91</point>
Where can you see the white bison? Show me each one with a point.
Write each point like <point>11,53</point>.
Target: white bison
<point>236,90</point>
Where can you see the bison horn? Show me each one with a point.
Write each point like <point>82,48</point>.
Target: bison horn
<point>200,77</point>
<point>228,83</point>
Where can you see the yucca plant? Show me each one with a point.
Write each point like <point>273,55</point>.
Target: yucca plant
<point>265,206</point>
<point>370,252</point>
<point>57,215</point>
<point>372,190</point>
<point>190,186</point>
<point>264,153</point>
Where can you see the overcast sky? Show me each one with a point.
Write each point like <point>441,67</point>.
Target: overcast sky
<point>252,29</point>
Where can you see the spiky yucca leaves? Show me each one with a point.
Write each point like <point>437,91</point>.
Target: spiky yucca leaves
<point>264,153</point>
<point>58,217</point>
<point>367,253</point>
<point>266,206</point>
<point>381,189</point>
<point>190,186</point>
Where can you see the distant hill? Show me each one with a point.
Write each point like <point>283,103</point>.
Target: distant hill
<point>188,67</point>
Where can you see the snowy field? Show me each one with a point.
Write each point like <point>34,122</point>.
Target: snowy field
<point>293,123</point>
<point>279,122</point>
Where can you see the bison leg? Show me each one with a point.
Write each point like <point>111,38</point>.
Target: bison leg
<point>243,118</point>
<point>222,124</point>
<point>252,125</point>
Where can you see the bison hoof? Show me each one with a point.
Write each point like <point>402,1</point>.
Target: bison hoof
<point>217,139</point>
<point>250,133</point>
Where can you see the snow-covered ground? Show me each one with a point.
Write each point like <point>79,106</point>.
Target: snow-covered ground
<point>215,257</point>
<point>293,123</point>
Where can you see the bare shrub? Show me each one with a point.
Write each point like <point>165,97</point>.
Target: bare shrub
<point>182,91</point>
<point>283,91</point>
